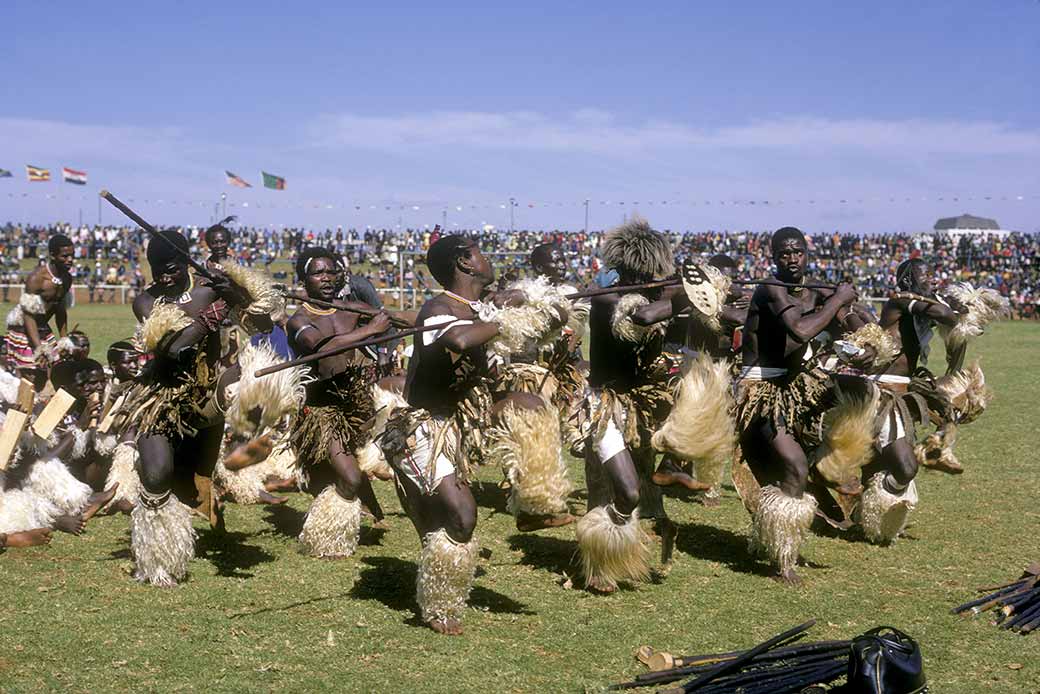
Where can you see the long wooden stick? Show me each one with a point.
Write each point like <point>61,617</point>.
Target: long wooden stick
<point>118,204</point>
<point>340,306</point>
<point>335,351</point>
<point>671,282</point>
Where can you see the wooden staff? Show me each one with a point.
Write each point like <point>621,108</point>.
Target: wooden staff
<point>335,351</point>
<point>340,306</point>
<point>671,282</point>
<point>154,233</point>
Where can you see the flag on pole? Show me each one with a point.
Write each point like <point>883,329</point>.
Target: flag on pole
<point>4,173</point>
<point>35,173</point>
<point>73,176</point>
<point>273,182</point>
<point>237,181</point>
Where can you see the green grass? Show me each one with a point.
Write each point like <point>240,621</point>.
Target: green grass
<point>257,615</point>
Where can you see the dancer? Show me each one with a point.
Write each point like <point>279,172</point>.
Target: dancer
<point>328,434</point>
<point>30,339</point>
<point>782,399</point>
<point>628,398</point>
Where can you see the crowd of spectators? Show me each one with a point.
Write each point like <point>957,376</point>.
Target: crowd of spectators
<point>108,257</point>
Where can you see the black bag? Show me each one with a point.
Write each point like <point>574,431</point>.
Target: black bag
<point>885,663</point>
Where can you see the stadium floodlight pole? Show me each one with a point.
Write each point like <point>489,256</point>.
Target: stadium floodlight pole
<point>223,201</point>
<point>512,204</point>
<point>154,233</point>
<point>586,216</point>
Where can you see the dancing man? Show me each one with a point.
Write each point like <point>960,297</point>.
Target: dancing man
<point>329,432</point>
<point>783,398</point>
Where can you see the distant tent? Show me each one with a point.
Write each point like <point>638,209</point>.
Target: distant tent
<point>966,221</point>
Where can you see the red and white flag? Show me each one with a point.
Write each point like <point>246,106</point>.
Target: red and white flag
<point>73,176</point>
<point>237,181</point>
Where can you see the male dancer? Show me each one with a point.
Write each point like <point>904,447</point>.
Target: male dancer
<point>330,431</point>
<point>435,443</point>
<point>781,403</point>
<point>46,295</point>
<point>628,398</point>
<point>173,408</point>
<point>908,395</point>
<point>709,345</point>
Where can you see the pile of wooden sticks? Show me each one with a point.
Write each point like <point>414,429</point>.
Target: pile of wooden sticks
<point>774,666</point>
<point>1016,604</point>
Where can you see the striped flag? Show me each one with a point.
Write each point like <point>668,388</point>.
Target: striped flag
<point>73,176</point>
<point>273,182</point>
<point>4,173</point>
<point>35,173</point>
<point>237,181</point>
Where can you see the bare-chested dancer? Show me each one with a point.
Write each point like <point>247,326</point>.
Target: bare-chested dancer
<point>780,406</point>
<point>330,431</point>
<point>46,295</point>
<point>174,408</point>
<point>435,443</point>
<point>908,396</point>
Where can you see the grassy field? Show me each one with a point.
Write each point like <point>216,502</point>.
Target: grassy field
<point>257,615</point>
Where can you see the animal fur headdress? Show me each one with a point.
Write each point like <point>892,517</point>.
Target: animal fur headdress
<point>636,250</point>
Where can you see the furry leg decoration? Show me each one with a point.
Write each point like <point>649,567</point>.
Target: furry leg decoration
<point>612,551</point>
<point>124,473</point>
<point>883,513</point>
<point>526,444</point>
<point>21,510</point>
<point>51,480</point>
<point>700,426</point>
<point>780,526</point>
<point>162,540</point>
<point>370,457</point>
<point>446,570</point>
<point>848,439</point>
<point>332,525</point>
<point>937,450</point>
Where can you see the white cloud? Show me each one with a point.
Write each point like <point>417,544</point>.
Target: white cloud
<point>598,132</point>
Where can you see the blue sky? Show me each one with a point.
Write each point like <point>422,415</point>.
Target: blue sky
<point>438,107</point>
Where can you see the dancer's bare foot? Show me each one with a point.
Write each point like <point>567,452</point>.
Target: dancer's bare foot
<point>448,627</point>
<point>529,522</point>
<point>122,506</point>
<point>29,538</point>
<point>944,465</point>
<point>271,499</point>
<point>788,578</point>
<point>98,500</point>
<point>598,585</point>
<point>280,484</point>
<point>709,501</point>
<point>667,478</point>
<point>251,453</point>
<point>73,525</point>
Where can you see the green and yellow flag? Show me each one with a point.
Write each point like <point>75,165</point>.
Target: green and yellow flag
<point>273,182</point>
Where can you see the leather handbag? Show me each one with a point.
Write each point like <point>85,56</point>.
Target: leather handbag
<point>884,660</point>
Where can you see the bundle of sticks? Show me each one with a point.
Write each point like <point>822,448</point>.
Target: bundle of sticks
<point>1017,604</point>
<point>775,666</point>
